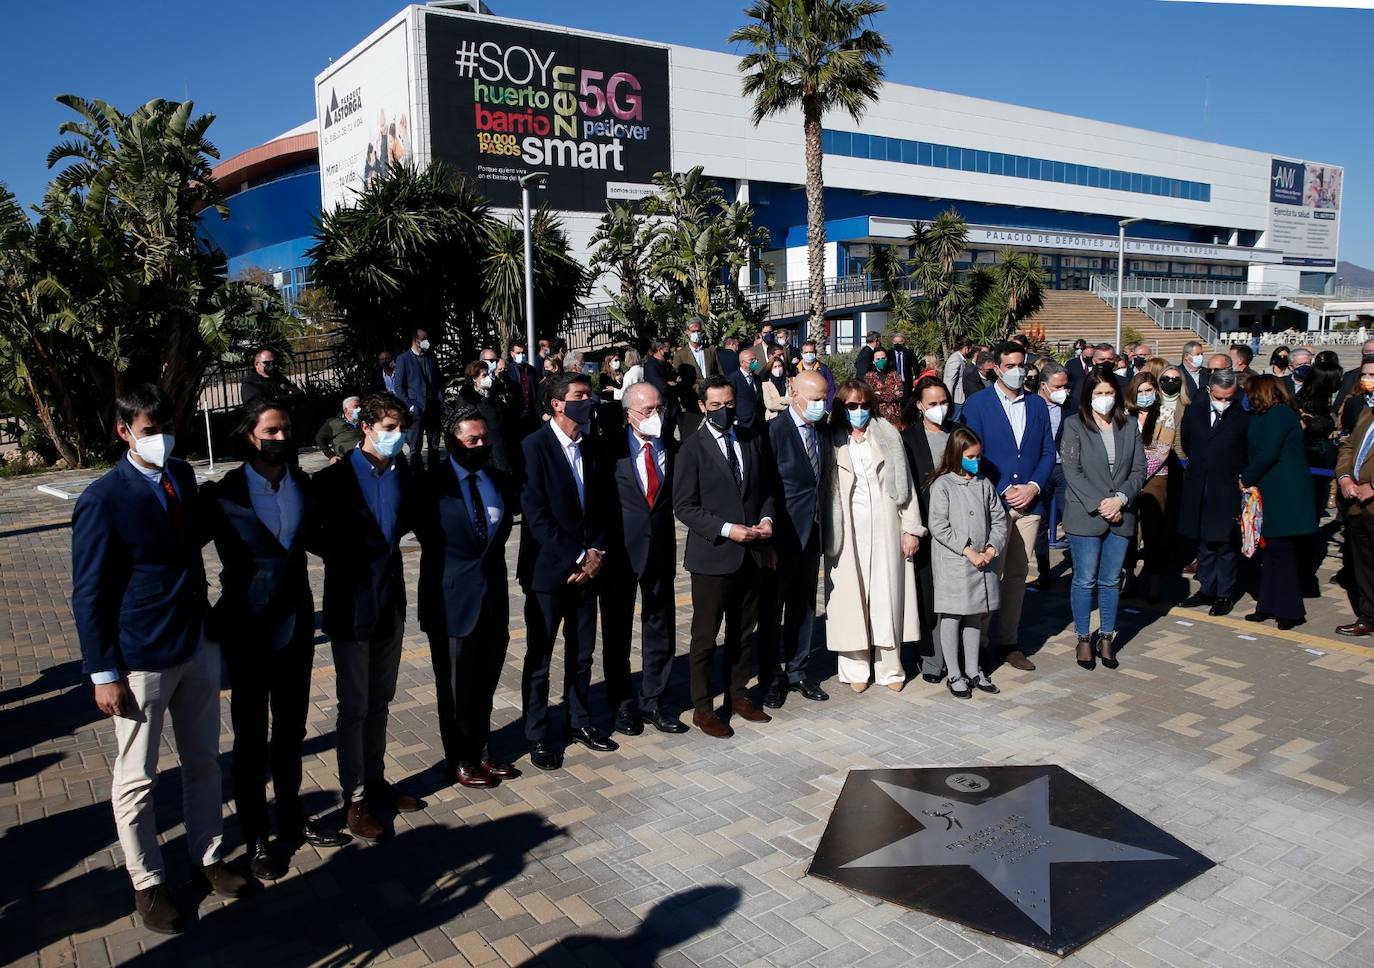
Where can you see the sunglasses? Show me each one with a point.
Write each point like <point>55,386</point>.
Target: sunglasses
<point>856,405</point>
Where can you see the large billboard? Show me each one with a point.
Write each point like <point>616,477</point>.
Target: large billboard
<point>1305,212</point>
<point>365,115</point>
<point>506,100</point>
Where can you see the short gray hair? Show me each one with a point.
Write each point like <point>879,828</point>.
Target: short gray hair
<point>1191,347</point>
<point>1049,368</point>
<point>353,399</point>
<point>1223,379</point>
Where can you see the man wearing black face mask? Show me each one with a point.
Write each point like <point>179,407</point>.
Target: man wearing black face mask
<point>1299,371</point>
<point>267,381</point>
<point>259,516</point>
<point>463,524</point>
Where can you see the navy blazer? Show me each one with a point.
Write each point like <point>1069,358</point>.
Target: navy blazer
<point>138,593</point>
<point>459,575</point>
<point>638,534</point>
<point>705,498</point>
<point>1004,463</point>
<point>364,585</point>
<point>748,400</point>
<point>799,493</point>
<point>1209,509</point>
<point>554,528</point>
<point>417,381</point>
<point>261,582</point>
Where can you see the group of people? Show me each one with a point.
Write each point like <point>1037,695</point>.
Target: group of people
<point>921,495</point>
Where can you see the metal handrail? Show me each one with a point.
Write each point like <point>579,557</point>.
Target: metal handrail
<point>1163,318</point>
<point>1164,285</point>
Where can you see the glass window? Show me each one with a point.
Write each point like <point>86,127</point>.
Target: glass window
<point>941,156</point>
<point>860,149</point>
<point>995,163</point>
<point>923,153</point>
<point>1094,177</point>
<point>1058,171</point>
<point>843,142</point>
<point>970,160</point>
<point>1033,168</point>
<point>1136,183</point>
<point>909,152</point>
<point>984,161</point>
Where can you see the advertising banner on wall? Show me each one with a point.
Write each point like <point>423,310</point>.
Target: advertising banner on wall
<point>1305,212</point>
<point>364,114</point>
<point>506,100</point>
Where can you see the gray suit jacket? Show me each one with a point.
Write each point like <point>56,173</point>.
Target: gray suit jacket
<point>1089,481</point>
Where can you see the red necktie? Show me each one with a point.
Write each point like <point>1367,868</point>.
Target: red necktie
<point>651,481</point>
<point>174,507</point>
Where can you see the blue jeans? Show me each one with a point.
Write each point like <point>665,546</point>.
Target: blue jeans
<point>1097,565</point>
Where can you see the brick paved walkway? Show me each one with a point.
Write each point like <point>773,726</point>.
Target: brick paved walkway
<point>1250,744</point>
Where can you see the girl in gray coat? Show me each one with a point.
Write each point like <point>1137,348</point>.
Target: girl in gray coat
<point>969,528</point>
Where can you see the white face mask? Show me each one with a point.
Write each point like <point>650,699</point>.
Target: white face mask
<point>424,344</point>
<point>936,414</point>
<point>695,336</point>
<point>1104,405</point>
<point>615,365</point>
<point>651,426</point>
<point>518,358</point>
<point>777,371</point>
<point>1221,406</point>
<point>1060,396</point>
<point>1121,372</point>
<point>1014,378</point>
<point>155,449</point>
<point>484,382</point>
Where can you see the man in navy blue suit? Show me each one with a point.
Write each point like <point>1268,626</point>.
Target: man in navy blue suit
<point>563,540</point>
<point>463,524</point>
<point>748,393</point>
<point>138,596</point>
<point>260,516</point>
<point>420,387</point>
<point>1018,454</point>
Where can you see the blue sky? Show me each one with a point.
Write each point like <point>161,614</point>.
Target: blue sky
<point>1294,81</point>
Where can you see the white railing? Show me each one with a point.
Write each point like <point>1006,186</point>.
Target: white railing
<point>1304,337</point>
<point>1164,286</point>
<point>1184,319</point>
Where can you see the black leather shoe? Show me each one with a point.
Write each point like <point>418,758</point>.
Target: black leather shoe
<point>157,910</point>
<point>812,690</point>
<point>545,757</point>
<point>663,722</point>
<point>1258,616</point>
<point>223,880</point>
<point>987,687</point>
<point>627,722</point>
<point>1222,606</point>
<point>1196,600</point>
<point>933,680</point>
<point>590,738</point>
<point>262,862</point>
<point>1286,624</point>
<point>316,836</point>
<point>776,694</point>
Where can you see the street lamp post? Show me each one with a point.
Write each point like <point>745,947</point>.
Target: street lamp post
<point>533,179</point>
<point>1121,273</point>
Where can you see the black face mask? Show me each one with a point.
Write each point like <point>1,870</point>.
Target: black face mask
<point>275,453</point>
<point>1032,384</point>
<point>1302,371</point>
<point>1170,385</point>
<point>471,459</point>
<point>578,411</point>
<point>269,369</point>
<point>1140,362</point>
<point>1104,368</point>
<point>722,419</point>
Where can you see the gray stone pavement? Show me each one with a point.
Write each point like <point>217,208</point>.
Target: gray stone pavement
<point>1251,745</point>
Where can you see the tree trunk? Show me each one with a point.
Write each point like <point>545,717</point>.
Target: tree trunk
<point>64,449</point>
<point>815,217</point>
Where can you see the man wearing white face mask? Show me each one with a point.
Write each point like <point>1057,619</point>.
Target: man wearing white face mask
<point>1018,456</point>
<point>366,505</point>
<point>1214,438</point>
<point>1055,391</point>
<point>138,596</point>
<point>420,385</point>
<point>641,552</point>
<point>693,364</point>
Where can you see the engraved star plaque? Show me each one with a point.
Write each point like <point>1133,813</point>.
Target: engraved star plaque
<point>1031,854</point>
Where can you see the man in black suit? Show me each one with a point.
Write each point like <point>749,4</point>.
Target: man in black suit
<point>463,522</point>
<point>525,396</point>
<point>660,375</point>
<point>864,361</point>
<point>800,442</point>
<point>1054,389</point>
<point>267,380</point>
<point>384,376</point>
<point>365,507</point>
<point>420,385</point>
<point>749,412</point>
<point>1194,370</point>
<point>903,362</point>
<point>1214,438</point>
<point>723,493</point>
<point>641,553</point>
<point>563,539</point>
<point>260,516</point>
<point>728,354</point>
<point>1350,383</point>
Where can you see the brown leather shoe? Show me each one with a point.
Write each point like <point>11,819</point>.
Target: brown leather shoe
<point>499,769</point>
<point>712,725</point>
<point>1355,629</point>
<point>1017,660</point>
<point>747,711</point>
<point>362,824</point>
<point>476,776</point>
<point>383,794</point>
<point>223,880</point>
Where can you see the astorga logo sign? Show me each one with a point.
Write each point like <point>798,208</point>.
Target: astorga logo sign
<point>337,111</point>
<point>507,100</point>
<point>1286,179</point>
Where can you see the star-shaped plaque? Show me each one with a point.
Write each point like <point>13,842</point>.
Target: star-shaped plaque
<point>1028,853</point>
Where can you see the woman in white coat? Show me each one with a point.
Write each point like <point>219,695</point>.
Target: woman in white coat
<point>872,528</point>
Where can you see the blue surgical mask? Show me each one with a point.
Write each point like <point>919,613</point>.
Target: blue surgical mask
<point>355,413</point>
<point>858,419</point>
<point>815,410</point>
<point>388,442</point>
<point>808,357</point>
<point>1145,400</point>
<point>1197,361</point>
<point>970,464</point>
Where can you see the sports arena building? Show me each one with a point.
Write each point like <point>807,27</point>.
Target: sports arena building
<point>1233,235</point>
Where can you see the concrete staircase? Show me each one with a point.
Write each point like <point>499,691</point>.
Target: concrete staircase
<point>1069,315</point>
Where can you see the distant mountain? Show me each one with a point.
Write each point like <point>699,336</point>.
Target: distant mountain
<point>1353,275</point>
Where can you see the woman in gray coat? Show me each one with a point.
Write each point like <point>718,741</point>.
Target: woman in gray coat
<point>1104,468</point>
<point>969,528</point>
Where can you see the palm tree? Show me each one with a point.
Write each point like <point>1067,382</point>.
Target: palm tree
<point>936,247</point>
<point>560,282</point>
<point>622,248</point>
<point>1021,279</point>
<point>818,55</point>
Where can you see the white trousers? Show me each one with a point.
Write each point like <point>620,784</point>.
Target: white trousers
<point>885,663</point>
<point>189,693</point>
